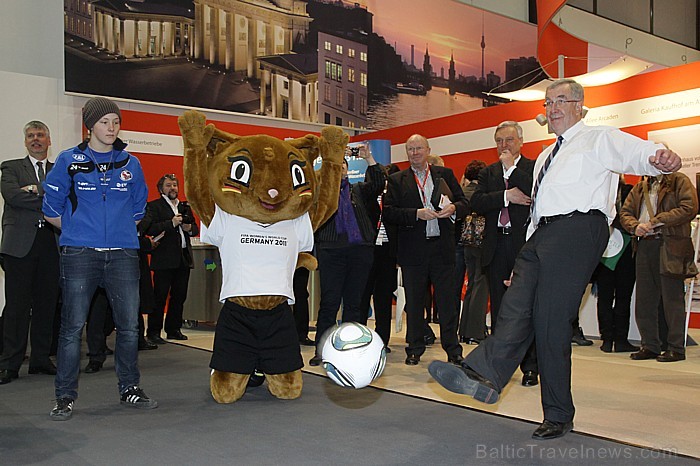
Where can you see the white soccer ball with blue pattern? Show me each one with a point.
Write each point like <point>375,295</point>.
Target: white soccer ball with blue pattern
<point>353,355</point>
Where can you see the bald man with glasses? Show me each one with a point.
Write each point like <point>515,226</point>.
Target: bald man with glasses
<point>423,202</point>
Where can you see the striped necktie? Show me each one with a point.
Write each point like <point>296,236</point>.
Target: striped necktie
<point>41,173</point>
<point>542,172</point>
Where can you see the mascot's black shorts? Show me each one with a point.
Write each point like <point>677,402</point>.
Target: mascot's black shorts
<point>249,339</point>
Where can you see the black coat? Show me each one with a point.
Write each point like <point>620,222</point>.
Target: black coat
<point>22,209</point>
<point>487,200</point>
<point>158,219</point>
<point>402,201</point>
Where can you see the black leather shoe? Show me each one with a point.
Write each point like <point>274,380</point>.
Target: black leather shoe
<point>412,360</point>
<point>455,359</point>
<point>670,356</point>
<point>92,367</point>
<point>145,345</point>
<point>306,341</point>
<point>580,339</point>
<point>48,369</point>
<point>429,340</point>
<point>473,341</point>
<point>176,336</point>
<point>625,347</point>
<point>387,350</point>
<point>315,361</point>
<point>7,376</point>
<point>156,339</point>
<point>643,354</point>
<point>530,379</point>
<point>463,380</point>
<point>549,430</point>
<point>607,346</point>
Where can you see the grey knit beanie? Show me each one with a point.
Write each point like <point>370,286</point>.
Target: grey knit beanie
<point>96,108</point>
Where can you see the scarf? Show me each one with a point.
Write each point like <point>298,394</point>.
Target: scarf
<point>345,221</point>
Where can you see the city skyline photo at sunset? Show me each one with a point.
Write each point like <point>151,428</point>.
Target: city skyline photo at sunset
<point>450,27</point>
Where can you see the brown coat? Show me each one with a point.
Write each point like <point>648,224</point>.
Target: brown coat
<point>676,206</point>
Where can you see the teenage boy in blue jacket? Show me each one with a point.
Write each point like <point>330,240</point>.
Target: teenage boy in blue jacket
<point>97,195</point>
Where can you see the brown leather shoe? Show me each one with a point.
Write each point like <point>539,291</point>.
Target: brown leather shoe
<point>643,354</point>
<point>670,356</point>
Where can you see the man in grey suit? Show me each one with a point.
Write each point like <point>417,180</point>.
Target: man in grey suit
<point>30,259</point>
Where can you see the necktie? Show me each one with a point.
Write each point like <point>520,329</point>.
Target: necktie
<point>505,215</point>
<point>40,170</point>
<point>542,172</point>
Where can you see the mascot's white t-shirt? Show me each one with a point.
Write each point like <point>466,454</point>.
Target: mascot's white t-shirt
<point>258,258</point>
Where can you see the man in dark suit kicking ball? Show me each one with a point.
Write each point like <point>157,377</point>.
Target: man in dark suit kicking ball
<point>573,202</point>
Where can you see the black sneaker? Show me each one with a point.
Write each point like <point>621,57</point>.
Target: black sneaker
<point>256,379</point>
<point>63,409</point>
<point>134,396</point>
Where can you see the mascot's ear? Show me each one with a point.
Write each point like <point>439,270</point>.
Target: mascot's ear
<point>308,145</point>
<point>219,141</point>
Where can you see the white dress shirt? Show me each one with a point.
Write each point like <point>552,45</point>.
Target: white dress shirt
<point>583,175</point>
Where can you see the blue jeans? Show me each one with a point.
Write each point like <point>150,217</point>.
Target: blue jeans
<point>82,271</point>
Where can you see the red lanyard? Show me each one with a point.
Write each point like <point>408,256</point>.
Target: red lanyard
<point>421,187</point>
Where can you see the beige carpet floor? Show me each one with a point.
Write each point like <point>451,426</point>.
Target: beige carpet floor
<point>642,403</point>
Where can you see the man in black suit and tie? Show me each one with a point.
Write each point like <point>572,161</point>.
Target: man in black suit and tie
<point>503,197</point>
<point>171,261</point>
<point>423,201</point>
<point>30,259</point>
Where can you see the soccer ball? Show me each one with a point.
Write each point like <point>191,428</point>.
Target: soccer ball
<point>353,355</point>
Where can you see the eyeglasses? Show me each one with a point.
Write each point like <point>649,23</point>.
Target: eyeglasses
<point>558,102</point>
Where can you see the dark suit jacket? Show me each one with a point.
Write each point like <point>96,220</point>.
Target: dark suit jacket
<point>401,202</point>
<point>487,200</point>
<point>158,219</point>
<point>22,209</point>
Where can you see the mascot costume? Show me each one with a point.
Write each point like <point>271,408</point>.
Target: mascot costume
<point>260,201</point>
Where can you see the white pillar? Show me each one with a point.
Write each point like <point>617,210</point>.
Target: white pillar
<point>263,90</point>
<point>213,35</point>
<point>198,31</point>
<point>230,37</point>
<point>290,113</point>
<point>137,51</point>
<point>273,94</point>
<point>149,32</point>
<point>252,49</point>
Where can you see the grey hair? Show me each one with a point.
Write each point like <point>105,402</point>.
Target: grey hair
<point>511,124</point>
<point>35,124</point>
<point>576,88</point>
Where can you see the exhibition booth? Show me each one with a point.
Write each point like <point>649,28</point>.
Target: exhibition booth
<point>662,105</point>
